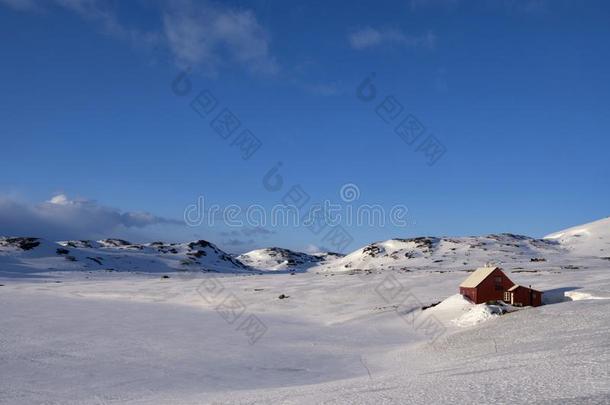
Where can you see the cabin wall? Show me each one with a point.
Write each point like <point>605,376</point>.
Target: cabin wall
<point>489,290</point>
<point>537,300</point>
<point>470,293</point>
<point>521,296</point>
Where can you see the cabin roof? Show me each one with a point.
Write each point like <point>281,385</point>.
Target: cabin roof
<point>513,288</point>
<point>477,277</point>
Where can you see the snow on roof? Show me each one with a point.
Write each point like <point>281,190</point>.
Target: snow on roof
<point>479,275</point>
<point>513,288</point>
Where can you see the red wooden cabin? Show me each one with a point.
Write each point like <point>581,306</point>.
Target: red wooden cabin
<point>486,284</point>
<point>521,296</point>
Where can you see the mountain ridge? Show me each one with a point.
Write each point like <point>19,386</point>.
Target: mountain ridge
<point>563,248</point>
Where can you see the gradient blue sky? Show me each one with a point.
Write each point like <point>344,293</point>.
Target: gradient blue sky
<point>517,92</point>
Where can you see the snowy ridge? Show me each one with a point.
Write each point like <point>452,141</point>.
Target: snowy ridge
<point>591,239</point>
<point>35,255</point>
<point>460,253</point>
<point>562,249</point>
<point>276,258</point>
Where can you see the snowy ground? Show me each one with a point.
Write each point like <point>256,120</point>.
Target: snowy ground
<point>347,329</point>
<point>108,337</point>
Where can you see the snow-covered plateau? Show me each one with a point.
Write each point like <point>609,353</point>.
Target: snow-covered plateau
<point>108,322</point>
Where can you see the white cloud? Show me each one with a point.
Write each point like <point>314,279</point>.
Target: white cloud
<point>370,37</point>
<point>65,218</point>
<point>60,199</point>
<point>201,35</point>
<point>211,36</point>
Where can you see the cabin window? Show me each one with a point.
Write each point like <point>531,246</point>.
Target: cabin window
<point>507,297</point>
<point>498,280</point>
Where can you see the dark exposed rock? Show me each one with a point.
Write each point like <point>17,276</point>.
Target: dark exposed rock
<point>79,244</point>
<point>200,244</point>
<point>197,253</point>
<point>21,243</point>
<point>116,242</point>
<point>372,250</point>
<point>424,242</point>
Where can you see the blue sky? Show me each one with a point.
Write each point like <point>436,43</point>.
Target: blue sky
<point>516,92</point>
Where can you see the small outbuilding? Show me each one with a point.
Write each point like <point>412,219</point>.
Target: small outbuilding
<point>521,296</point>
<point>486,284</point>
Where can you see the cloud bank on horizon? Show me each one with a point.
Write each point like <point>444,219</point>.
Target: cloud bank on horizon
<point>64,218</point>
